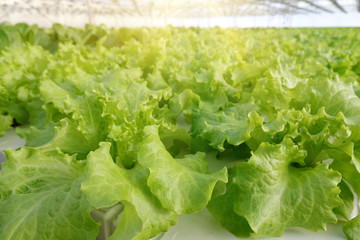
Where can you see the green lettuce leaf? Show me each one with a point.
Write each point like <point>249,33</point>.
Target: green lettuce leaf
<point>130,108</point>
<point>233,124</point>
<point>336,97</point>
<point>272,182</point>
<point>42,120</point>
<point>85,109</point>
<point>352,228</point>
<point>182,185</point>
<point>70,140</point>
<point>221,207</point>
<point>345,210</point>
<point>106,184</point>
<point>40,197</point>
<point>21,69</point>
<point>5,123</point>
<point>87,126</point>
<point>345,162</point>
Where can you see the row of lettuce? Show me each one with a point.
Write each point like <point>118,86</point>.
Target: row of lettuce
<point>129,115</point>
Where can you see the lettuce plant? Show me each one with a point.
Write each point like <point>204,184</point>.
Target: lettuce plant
<point>138,117</point>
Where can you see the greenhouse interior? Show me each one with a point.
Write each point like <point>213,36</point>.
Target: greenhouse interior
<point>179,119</point>
<point>202,13</point>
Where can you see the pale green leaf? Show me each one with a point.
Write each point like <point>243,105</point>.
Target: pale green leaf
<point>40,197</point>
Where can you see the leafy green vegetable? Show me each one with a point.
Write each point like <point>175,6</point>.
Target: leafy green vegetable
<point>144,216</point>
<point>351,228</point>
<point>265,190</point>
<point>233,124</point>
<point>41,197</point>
<point>136,116</point>
<point>182,185</point>
<point>6,122</point>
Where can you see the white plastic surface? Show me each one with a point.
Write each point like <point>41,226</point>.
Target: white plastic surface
<point>203,226</point>
<point>10,140</point>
